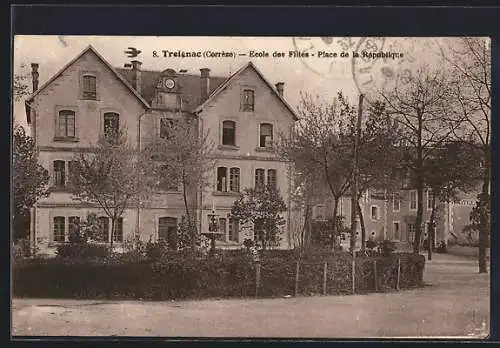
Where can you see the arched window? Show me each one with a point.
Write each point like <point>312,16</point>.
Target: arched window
<point>266,135</point>
<point>229,133</point>
<point>66,123</point>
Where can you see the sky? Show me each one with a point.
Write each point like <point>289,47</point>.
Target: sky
<point>322,74</point>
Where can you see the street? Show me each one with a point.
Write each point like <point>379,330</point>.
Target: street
<point>454,303</point>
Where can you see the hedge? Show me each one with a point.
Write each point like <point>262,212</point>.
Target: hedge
<point>179,276</point>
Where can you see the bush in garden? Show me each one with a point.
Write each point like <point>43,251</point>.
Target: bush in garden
<point>83,251</point>
<point>387,247</point>
<point>185,274</point>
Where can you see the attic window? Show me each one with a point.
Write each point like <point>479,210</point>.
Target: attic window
<point>89,87</point>
<point>248,100</point>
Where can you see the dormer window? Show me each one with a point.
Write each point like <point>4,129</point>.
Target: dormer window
<point>89,87</point>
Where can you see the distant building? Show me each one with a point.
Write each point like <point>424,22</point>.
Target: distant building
<point>244,113</point>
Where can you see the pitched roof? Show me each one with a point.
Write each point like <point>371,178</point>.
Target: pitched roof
<point>231,78</point>
<point>190,85</point>
<point>93,50</point>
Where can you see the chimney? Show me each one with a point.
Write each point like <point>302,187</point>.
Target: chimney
<point>280,87</point>
<point>34,75</point>
<point>137,76</point>
<point>205,83</point>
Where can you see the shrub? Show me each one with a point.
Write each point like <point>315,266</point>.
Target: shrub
<point>83,251</point>
<point>387,247</point>
<point>183,274</point>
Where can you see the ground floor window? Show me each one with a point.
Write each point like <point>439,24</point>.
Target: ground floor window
<point>103,229</point>
<point>118,233</point>
<point>73,227</point>
<point>167,231</point>
<point>395,231</point>
<point>59,228</point>
<point>222,230</point>
<point>234,230</point>
<point>411,229</point>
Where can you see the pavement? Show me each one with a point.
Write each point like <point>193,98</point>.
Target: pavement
<point>454,304</point>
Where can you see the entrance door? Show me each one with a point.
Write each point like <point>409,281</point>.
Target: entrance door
<point>167,231</point>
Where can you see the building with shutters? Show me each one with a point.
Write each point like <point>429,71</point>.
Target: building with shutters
<point>244,114</point>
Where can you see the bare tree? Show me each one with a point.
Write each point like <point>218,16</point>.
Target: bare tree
<point>319,148</point>
<point>184,156</point>
<point>470,59</point>
<point>112,175</point>
<point>420,104</point>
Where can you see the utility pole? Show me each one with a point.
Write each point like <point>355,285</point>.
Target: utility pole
<point>354,192</point>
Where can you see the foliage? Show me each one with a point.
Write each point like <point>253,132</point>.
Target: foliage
<point>180,275</point>
<point>30,179</point>
<point>113,175</point>
<point>387,247</point>
<point>185,237</point>
<point>83,251</point>
<point>322,231</point>
<point>480,216</point>
<point>183,156</point>
<point>441,248</point>
<point>20,87</point>
<point>262,208</point>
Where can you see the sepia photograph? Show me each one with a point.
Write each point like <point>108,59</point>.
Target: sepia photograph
<point>251,187</point>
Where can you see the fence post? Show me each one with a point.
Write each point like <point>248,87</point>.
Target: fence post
<point>375,274</point>
<point>297,270</point>
<point>257,278</point>
<point>325,272</point>
<point>353,275</point>
<point>399,273</point>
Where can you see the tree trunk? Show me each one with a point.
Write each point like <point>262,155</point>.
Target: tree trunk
<point>362,223</point>
<point>306,236</point>
<point>420,185</point>
<point>113,223</point>
<point>334,227</point>
<point>431,229</point>
<point>191,227</point>
<point>485,225</point>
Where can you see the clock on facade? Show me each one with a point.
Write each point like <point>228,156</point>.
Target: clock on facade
<point>169,83</point>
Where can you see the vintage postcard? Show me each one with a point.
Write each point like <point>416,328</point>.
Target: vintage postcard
<point>251,187</point>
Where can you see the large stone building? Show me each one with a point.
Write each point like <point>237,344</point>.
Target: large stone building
<point>244,113</point>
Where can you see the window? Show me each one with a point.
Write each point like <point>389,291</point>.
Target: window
<point>59,174</point>
<point>103,229</point>
<point>234,179</point>
<point>166,125</point>
<point>111,125</point>
<point>66,122</point>
<point>413,200</point>
<point>248,100</point>
<point>396,203</point>
<point>260,179</point>
<point>89,87</point>
<point>229,133</point>
<point>59,222</point>
<point>118,233</point>
<point>411,231</point>
<point>271,178</point>
<point>266,135</point>
<point>374,212</point>
<point>168,181</point>
<point>234,230</point>
<point>429,199</point>
<point>222,179</point>
<point>73,228</point>
<point>167,231</point>
<point>320,212</point>
<point>222,229</point>
<point>395,230</point>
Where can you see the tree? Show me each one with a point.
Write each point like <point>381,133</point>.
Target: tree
<point>183,155</point>
<point>20,88</point>
<point>451,169</point>
<point>263,208</point>
<point>379,157</point>
<point>30,180</point>
<point>320,148</point>
<point>113,174</point>
<point>470,58</point>
<point>420,104</point>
